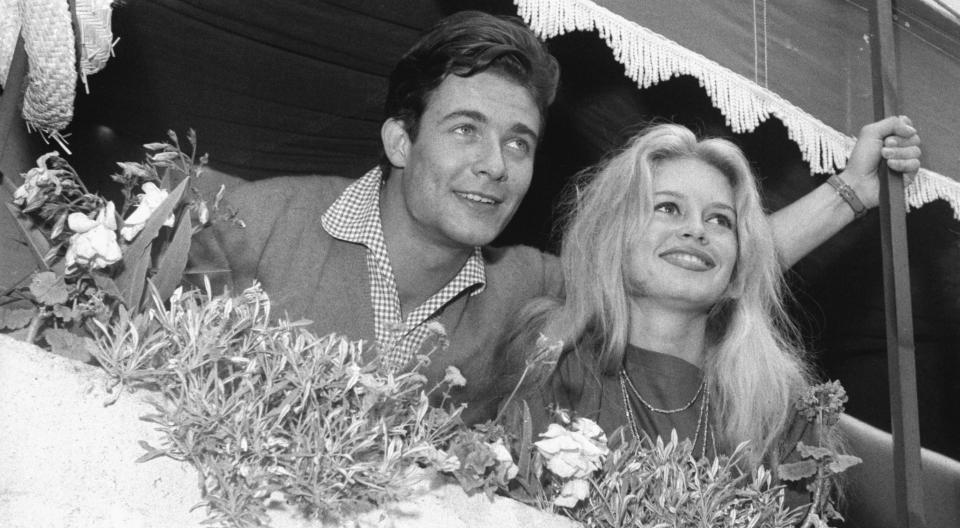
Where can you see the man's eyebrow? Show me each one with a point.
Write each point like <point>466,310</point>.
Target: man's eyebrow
<point>518,128</point>
<point>523,129</point>
<point>471,114</point>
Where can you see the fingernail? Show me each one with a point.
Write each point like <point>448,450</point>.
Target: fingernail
<point>886,152</point>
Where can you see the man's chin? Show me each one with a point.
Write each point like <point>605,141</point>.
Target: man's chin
<point>476,238</point>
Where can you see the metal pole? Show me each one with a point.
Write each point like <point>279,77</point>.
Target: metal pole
<point>901,362</point>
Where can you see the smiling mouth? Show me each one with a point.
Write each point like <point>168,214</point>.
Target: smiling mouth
<point>477,198</point>
<point>694,261</point>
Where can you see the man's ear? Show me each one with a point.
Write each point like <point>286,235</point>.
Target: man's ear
<point>396,142</point>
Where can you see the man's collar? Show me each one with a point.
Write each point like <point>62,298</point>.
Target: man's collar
<point>355,217</point>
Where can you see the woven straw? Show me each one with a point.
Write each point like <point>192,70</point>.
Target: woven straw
<point>51,81</point>
<point>9,29</point>
<point>96,38</point>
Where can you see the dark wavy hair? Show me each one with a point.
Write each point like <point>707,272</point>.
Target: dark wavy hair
<point>467,43</point>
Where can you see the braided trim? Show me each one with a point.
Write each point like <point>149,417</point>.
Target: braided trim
<point>9,31</point>
<point>95,36</point>
<point>649,58</point>
<point>52,78</point>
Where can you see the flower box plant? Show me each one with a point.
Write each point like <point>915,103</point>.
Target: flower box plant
<point>266,411</point>
<point>93,257</point>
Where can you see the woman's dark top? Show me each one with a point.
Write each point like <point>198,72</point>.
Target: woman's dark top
<point>664,381</point>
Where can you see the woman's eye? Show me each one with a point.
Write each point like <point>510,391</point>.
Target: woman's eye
<point>666,207</point>
<point>722,220</point>
<point>465,130</point>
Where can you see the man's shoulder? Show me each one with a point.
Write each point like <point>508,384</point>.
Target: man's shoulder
<point>290,190</point>
<point>509,266</point>
<point>509,256</point>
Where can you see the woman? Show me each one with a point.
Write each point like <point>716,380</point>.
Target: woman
<point>672,315</point>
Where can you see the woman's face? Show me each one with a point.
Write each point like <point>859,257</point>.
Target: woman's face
<point>685,257</point>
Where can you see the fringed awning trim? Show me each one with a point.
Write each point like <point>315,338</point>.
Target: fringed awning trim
<point>930,186</point>
<point>649,58</point>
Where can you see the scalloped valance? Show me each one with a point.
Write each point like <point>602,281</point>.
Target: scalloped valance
<point>649,58</point>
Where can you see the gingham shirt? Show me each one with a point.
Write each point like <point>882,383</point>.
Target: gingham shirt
<point>355,217</point>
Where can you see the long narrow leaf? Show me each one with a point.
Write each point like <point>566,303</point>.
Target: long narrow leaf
<point>105,283</point>
<point>136,257</point>
<point>174,259</point>
<point>35,238</point>
<point>132,282</point>
<point>526,444</point>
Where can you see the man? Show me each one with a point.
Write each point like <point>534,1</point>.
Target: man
<point>399,256</point>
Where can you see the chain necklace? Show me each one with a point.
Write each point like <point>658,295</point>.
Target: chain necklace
<point>625,381</point>
<point>704,426</point>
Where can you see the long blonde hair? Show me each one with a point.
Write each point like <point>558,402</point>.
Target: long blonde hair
<point>752,366</point>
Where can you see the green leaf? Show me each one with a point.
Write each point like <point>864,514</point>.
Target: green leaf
<point>526,442</point>
<point>58,225</point>
<point>64,343</point>
<point>136,257</point>
<point>35,238</point>
<point>842,463</point>
<point>797,470</point>
<point>166,182</point>
<point>174,259</point>
<point>49,288</point>
<point>106,284</point>
<point>133,281</point>
<point>16,318</point>
<point>165,156</point>
<point>814,452</point>
<point>51,255</point>
<point>151,453</point>
<point>830,512</point>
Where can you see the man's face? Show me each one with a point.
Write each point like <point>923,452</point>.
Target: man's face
<point>464,176</point>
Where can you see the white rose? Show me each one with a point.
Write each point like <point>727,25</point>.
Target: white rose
<point>573,492</point>
<point>590,429</point>
<point>150,201</point>
<point>570,453</point>
<point>34,181</point>
<point>503,456</point>
<point>94,242</point>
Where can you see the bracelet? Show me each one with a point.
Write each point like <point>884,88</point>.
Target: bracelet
<point>849,195</point>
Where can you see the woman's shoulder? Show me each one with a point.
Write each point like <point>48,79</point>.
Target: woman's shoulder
<point>566,386</point>
<point>578,377</point>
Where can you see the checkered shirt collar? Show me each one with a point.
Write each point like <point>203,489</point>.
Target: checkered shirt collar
<point>355,217</point>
